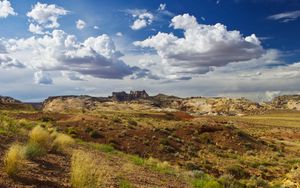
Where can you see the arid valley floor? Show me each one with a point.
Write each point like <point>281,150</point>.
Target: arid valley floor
<point>107,146</point>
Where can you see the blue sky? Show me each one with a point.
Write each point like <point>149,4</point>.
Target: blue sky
<point>212,47</point>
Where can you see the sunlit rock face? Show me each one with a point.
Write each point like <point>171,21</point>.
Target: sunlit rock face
<point>291,102</point>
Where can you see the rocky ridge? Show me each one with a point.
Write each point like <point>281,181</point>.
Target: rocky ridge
<point>9,100</point>
<point>9,103</point>
<point>140,100</point>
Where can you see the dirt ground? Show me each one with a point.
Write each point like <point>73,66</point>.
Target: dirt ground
<point>262,147</point>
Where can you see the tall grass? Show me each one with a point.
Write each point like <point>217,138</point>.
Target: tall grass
<point>40,136</point>
<point>39,143</point>
<point>14,159</point>
<point>62,142</point>
<point>83,170</point>
<point>85,173</point>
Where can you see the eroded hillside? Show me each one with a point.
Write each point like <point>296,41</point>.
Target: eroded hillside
<point>140,100</point>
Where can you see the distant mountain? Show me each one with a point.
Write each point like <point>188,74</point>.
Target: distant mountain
<point>8,100</point>
<point>9,103</point>
<point>140,100</point>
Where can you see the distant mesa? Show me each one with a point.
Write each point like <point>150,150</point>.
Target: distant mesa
<point>140,100</point>
<point>133,95</point>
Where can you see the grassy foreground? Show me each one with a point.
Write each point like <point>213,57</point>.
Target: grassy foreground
<point>121,149</point>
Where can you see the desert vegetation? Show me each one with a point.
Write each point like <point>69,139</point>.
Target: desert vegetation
<point>14,159</point>
<point>154,149</point>
<point>85,172</point>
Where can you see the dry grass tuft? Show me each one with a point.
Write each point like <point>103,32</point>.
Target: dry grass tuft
<point>39,143</point>
<point>62,142</point>
<point>40,136</point>
<point>14,159</point>
<point>86,172</point>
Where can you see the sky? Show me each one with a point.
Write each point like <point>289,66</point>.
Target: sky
<point>232,48</point>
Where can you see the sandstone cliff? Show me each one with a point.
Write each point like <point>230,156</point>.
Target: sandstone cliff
<point>291,102</point>
<point>140,100</point>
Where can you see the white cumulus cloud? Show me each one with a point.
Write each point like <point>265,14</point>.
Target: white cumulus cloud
<point>2,48</point>
<point>58,51</point>
<point>201,47</point>
<point>80,24</point>
<point>45,16</point>
<point>73,75</point>
<point>33,28</point>
<point>142,18</point>
<point>6,9</point>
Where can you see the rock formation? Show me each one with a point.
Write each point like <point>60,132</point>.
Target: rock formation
<point>9,103</point>
<point>138,95</point>
<point>71,103</point>
<point>291,102</point>
<point>140,100</point>
<point>120,96</point>
<point>9,100</point>
<point>133,95</point>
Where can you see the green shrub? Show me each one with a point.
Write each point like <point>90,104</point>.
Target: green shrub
<point>34,150</point>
